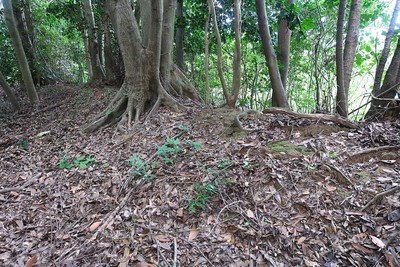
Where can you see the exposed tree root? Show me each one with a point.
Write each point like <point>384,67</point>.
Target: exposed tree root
<point>322,117</point>
<point>134,99</point>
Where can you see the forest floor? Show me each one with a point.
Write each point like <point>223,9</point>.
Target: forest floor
<point>188,189</point>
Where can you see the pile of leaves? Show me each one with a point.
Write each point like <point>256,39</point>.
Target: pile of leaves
<point>187,189</point>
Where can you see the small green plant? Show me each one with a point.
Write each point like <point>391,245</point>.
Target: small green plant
<point>196,145</point>
<point>23,143</point>
<point>203,193</point>
<point>169,150</point>
<point>139,166</point>
<point>183,127</point>
<point>83,162</point>
<point>66,163</point>
<point>225,163</point>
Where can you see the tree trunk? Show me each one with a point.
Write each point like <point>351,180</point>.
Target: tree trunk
<point>386,49</point>
<point>180,62</point>
<point>109,60</point>
<point>279,98</point>
<point>10,95</point>
<point>341,99</point>
<point>143,88</point>
<point>23,63</point>
<point>206,57</point>
<point>237,66</point>
<point>93,46</point>
<point>230,97</point>
<point>348,53</point>
<point>388,90</point>
<point>284,34</point>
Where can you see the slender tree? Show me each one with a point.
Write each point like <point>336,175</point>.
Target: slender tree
<point>386,50</point>
<point>180,30</point>
<point>345,58</point>
<point>10,95</point>
<point>387,92</point>
<point>284,34</point>
<point>23,63</point>
<point>230,96</point>
<point>97,73</point>
<point>279,98</point>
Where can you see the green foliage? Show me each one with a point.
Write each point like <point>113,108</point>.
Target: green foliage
<point>202,194</point>
<point>170,150</point>
<point>66,163</point>
<point>23,143</point>
<point>82,162</point>
<point>196,145</point>
<point>139,166</point>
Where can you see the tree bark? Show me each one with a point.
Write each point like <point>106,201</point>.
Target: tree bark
<point>93,46</point>
<point>386,49</point>
<point>143,88</point>
<point>180,30</point>
<point>206,57</point>
<point>348,53</point>
<point>388,90</point>
<point>109,60</point>
<point>10,95</point>
<point>237,66</point>
<point>284,34</point>
<point>279,98</point>
<point>23,63</point>
<point>341,99</point>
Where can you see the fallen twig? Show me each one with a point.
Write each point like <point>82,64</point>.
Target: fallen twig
<point>339,175</point>
<point>19,188</point>
<point>323,117</point>
<point>382,194</point>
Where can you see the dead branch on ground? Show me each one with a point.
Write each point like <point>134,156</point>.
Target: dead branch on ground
<point>321,117</point>
<point>391,191</point>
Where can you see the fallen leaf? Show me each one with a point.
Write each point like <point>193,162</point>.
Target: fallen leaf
<point>250,214</point>
<point>31,261</point>
<point>377,241</point>
<point>94,226</point>
<point>193,234</point>
<point>361,248</point>
<point>301,240</point>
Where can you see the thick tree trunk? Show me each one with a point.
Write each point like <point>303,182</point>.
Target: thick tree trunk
<point>142,88</point>
<point>284,34</point>
<point>93,46</point>
<point>110,64</point>
<point>180,61</point>
<point>10,95</point>
<point>279,98</point>
<point>386,49</point>
<point>388,90</point>
<point>23,63</point>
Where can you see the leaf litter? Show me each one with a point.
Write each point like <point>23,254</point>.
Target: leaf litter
<point>187,189</point>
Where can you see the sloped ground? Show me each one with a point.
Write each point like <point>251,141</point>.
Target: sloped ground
<point>186,189</point>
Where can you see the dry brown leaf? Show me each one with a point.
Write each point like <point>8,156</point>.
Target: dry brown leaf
<point>31,261</point>
<point>379,243</point>
<point>362,248</point>
<point>193,234</point>
<point>301,240</point>
<point>250,214</point>
<point>179,212</point>
<point>163,238</point>
<point>94,226</point>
